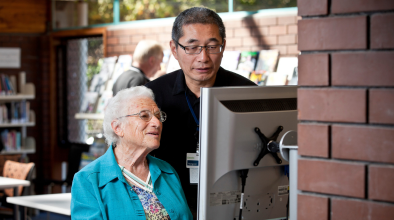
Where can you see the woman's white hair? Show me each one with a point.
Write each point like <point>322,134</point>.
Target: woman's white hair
<point>118,106</point>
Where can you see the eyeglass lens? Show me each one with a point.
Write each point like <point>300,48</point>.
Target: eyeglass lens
<point>198,49</point>
<point>147,115</point>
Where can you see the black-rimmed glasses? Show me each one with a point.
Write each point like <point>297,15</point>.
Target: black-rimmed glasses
<point>211,49</point>
<point>146,115</point>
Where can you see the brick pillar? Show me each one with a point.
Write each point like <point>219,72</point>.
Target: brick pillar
<point>346,109</point>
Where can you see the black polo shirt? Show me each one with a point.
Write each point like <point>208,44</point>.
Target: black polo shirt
<point>177,137</point>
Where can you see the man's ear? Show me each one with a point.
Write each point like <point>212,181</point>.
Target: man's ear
<point>224,44</point>
<point>174,49</point>
<point>151,60</point>
<point>117,128</point>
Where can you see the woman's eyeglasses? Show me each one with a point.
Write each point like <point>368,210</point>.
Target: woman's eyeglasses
<point>146,115</point>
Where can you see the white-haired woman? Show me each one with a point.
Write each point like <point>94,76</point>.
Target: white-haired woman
<point>126,182</point>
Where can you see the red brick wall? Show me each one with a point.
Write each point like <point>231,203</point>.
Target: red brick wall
<point>245,34</point>
<point>346,109</point>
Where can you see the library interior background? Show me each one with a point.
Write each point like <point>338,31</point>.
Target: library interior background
<point>60,58</point>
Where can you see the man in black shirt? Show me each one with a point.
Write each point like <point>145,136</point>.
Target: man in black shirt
<point>198,42</point>
<point>146,62</point>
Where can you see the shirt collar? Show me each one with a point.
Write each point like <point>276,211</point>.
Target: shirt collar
<point>110,170</point>
<point>180,83</point>
<point>139,70</point>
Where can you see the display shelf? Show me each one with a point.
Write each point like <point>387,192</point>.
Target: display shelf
<point>91,116</point>
<point>32,122</point>
<point>22,151</point>
<point>28,148</point>
<point>17,97</point>
<point>13,125</point>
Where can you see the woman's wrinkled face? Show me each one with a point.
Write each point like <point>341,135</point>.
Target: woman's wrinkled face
<point>138,132</point>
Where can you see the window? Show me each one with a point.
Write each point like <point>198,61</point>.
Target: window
<point>83,13</point>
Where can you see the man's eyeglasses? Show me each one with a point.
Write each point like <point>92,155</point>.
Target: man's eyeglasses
<point>211,49</point>
<point>146,115</point>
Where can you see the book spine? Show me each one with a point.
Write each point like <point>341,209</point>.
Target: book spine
<point>27,112</point>
<point>22,82</point>
<point>13,83</point>
<point>23,111</point>
<point>9,86</point>
<point>4,135</point>
<point>5,114</point>
<point>4,86</point>
<point>18,140</point>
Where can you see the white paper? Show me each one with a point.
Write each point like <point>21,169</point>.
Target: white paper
<point>286,66</point>
<point>10,57</point>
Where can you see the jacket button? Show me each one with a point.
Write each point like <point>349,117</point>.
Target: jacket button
<point>158,193</point>
<point>172,210</point>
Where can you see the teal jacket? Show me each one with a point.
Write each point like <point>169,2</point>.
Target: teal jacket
<point>100,191</point>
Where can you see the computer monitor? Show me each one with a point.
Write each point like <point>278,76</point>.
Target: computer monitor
<point>229,143</point>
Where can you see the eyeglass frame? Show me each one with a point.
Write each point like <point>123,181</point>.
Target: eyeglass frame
<point>184,48</point>
<point>151,115</point>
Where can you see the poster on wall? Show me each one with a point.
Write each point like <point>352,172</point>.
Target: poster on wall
<point>10,57</point>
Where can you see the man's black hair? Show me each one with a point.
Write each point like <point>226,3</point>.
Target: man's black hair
<point>196,15</point>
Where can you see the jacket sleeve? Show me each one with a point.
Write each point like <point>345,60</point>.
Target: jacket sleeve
<point>84,202</point>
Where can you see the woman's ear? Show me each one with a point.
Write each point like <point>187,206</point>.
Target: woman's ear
<point>117,128</point>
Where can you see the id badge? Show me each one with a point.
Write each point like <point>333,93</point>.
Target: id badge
<point>192,162</point>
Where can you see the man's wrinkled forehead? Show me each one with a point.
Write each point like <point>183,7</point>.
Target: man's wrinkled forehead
<point>182,34</point>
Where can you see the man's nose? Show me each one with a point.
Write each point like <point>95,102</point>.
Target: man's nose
<point>203,56</point>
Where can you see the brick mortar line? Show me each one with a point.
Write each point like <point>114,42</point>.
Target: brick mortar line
<point>346,15</point>
<point>348,161</point>
<point>330,196</point>
<point>347,123</point>
<point>344,51</point>
<point>345,87</point>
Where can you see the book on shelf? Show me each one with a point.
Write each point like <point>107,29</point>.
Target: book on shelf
<point>173,64</point>
<point>99,80</point>
<point>166,59</point>
<point>11,140</point>
<point>15,112</point>
<point>89,102</point>
<point>247,63</point>
<point>122,65</point>
<point>230,60</point>
<point>276,79</point>
<point>286,65</point>
<point>103,101</point>
<point>7,86</point>
<point>267,61</point>
<point>96,150</point>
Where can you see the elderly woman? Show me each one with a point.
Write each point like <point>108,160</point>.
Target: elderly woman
<point>126,182</point>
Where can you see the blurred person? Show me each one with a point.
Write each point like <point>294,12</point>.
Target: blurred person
<point>198,42</point>
<point>146,62</point>
<point>126,182</point>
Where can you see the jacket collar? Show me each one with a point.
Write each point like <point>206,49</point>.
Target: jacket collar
<point>140,71</point>
<point>110,170</point>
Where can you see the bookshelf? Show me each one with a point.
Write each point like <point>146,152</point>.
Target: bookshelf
<point>28,145</point>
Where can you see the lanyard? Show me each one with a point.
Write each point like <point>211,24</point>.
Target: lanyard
<point>191,110</point>
<point>147,187</point>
